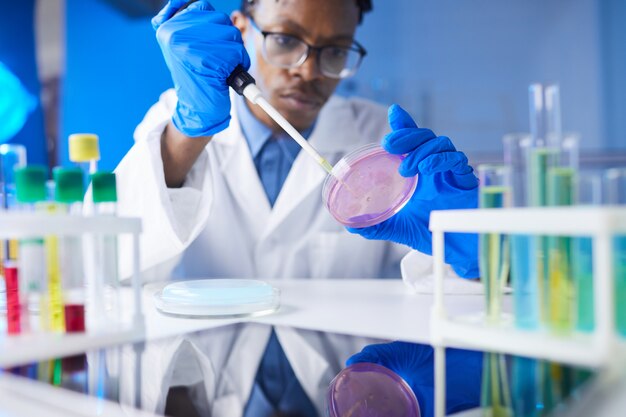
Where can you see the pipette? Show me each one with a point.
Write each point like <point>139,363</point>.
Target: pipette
<point>244,85</point>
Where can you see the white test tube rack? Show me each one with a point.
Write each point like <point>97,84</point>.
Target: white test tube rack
<point>27,348</point>
<point>596,349</point>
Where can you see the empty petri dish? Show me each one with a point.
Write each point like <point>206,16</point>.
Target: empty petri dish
<point>365,187</point>
<point>217,298</point>
<point>370,390</point>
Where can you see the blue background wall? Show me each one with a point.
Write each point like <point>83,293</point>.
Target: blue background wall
<point>17,52</point>
<point>114,72</point>
<point>462,68</point>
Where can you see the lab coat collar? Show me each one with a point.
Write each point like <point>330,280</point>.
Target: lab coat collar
<point>334,134</point>
<point>238,168</point>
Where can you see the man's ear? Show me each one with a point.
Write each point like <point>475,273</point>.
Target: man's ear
<point>240,21</point>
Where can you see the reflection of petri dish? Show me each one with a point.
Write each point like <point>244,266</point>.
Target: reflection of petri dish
<point>370,390</point>
<point>218,298</point>
<point>366,188</point>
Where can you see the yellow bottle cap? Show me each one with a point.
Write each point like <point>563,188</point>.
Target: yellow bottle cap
<point>84,147</point>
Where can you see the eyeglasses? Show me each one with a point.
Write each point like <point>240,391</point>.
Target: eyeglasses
<point>289,51</point>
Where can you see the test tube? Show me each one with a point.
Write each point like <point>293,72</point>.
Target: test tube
<point>524,371</point>
<point>589,194</point>
<point>494,192</point>
<point>495,392</point>
<point>104,194</point>
<point>615,180</point>
<point>540,157</point>
<point>69,193</point>
<point>523,262</point>
<point>11,156</point>
<point>561,192</point>
<point>11,277</point>
<point>31,195</point>
<point>494,249</point>
<point>84,150</point>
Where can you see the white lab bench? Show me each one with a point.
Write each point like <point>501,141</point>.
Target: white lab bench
<point>384,309</point>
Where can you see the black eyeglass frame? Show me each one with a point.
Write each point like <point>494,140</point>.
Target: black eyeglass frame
<point>355,47</point>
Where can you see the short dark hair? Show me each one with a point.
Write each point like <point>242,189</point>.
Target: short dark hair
<point>363,5</point>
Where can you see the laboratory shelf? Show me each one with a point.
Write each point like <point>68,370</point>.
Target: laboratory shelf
<point>577,349</point>
<point>596,349</point>
<point>22,397</point>
<point>31,347</point>
<point>28,225</point>
<point>28,348</point>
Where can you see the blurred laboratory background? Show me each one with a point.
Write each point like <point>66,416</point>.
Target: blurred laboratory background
<point>461,68</point>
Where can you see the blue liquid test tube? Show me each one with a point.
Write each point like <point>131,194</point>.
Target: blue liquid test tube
<point>523,262</point>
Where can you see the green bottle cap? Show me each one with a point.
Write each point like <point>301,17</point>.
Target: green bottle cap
<point>30,183</point>
<point>69,185</point>
<point>103,187</point>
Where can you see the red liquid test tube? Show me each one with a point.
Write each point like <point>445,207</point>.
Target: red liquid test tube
<point>13,298</point>
<point>74,318</point>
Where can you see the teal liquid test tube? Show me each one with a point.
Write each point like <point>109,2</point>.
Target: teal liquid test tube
<point>523,262</point>
<point>524,382</point>
<point>615,180</point>
<point>589,194</point>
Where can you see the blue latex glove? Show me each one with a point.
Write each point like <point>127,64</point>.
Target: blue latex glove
<point>201,48</point>
<point>415,364</point>
<point>445,181</point>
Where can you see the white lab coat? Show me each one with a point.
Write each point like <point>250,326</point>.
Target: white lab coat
<point>220,224</point>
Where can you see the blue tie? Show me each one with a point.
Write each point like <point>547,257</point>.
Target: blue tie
<point>276,390</point>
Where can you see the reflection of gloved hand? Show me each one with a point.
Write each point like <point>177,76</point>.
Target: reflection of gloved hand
<point>445,181</point>
<point>415,364</point>
<point>201,48</point>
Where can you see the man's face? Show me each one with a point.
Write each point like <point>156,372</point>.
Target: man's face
<point>297,93</point>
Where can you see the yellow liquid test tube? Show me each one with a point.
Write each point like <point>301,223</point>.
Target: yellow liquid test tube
<point>55,312</point>
<point>55,297</point>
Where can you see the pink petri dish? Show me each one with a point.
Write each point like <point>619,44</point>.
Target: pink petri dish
<point>365,187</point>
<point>370,390</point>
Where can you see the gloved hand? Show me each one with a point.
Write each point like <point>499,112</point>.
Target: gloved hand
<point>445,181</point>
<point>16,104</point>
<point>415,364</point>
<point>201,48</point>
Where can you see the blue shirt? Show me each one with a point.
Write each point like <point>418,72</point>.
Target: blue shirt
<point>276,387</point>
<point>273,154</point>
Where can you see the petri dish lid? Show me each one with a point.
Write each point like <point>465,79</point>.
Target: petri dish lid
<point>217,298</point>
<point>370,390</point>
<point>366,188</point>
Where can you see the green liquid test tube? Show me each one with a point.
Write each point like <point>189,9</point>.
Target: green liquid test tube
<point>494,254</point>
<point>540,161</point>
<point>560,283</point>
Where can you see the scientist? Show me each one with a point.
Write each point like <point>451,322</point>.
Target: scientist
<point>223,192</point>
